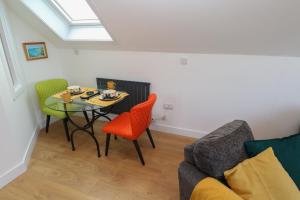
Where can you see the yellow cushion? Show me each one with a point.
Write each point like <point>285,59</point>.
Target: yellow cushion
<point>262,178</point>
<point>212,189</point>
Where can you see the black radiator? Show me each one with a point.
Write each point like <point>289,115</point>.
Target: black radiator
<point>138,92</point>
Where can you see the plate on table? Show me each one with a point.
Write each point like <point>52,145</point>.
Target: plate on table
<point>89,94</point>
<point>77,93</point>
<point>109,98</point>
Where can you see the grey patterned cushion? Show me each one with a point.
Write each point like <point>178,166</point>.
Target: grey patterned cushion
<point>222,149</point>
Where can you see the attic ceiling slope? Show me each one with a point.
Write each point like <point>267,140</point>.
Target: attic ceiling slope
<point>257,27</point>
<point>262,27</point>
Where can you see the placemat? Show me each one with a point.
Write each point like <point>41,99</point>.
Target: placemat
<point>96,101</point>
<point>58,95</point>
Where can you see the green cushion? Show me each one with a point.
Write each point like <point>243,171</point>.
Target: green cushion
<point>287,150</point>
<point>48,88</point>
<point>57,114</point>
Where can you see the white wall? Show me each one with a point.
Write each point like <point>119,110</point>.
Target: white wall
<point>20,118</point>
<point>34,70</point>
<point>208,92</point>
<point>17,126</point>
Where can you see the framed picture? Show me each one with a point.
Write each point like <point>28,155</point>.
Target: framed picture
<point>35,50</point>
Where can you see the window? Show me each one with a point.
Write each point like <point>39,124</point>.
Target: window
<point>8,56</point>
<point>71,20</point>
<point>76,11</point>
<point>8,60</point>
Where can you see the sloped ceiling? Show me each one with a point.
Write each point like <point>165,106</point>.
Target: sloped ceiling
<point>259,27</point>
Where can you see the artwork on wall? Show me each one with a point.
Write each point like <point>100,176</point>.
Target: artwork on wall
<point>35,50</point>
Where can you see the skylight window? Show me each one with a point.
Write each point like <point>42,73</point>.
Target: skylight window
<point>71,20</point>
<point>77,11</point>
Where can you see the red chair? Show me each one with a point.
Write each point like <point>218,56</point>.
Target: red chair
<point>131,125</point>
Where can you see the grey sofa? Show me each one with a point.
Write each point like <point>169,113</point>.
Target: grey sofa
<point>213,154</point>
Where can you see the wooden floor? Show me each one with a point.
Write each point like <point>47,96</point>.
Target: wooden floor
<point>55,172</point>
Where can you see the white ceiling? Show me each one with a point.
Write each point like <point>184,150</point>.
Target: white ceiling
<point>259,27</point>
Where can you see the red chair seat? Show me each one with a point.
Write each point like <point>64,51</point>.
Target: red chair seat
<point>131,125</point>
<point>120,126</point>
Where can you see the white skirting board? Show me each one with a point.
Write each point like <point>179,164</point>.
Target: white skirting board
<point>163,127</point>
<point>177,130</point>
<point>21,167</point>
<point>169,129</point>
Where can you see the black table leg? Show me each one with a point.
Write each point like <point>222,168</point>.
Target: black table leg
<point>84,129</point>
<point>65,121</point>
<point>88,120</point>
<point>86,116</point>
<point>104,114</point>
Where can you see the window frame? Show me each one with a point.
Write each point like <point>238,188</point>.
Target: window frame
<point>9,57</point>
<point>65,14</point>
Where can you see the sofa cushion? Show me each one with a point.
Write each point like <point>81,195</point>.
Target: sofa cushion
<point>222,149</point>
<point>211,189</point>
<point>262,178</point>
<point>287,150</point>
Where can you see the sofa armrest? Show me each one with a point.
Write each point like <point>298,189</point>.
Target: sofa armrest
<point>188,176</point>
<point>188,153</point>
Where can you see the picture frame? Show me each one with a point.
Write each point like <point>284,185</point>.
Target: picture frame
<point>35,50</point>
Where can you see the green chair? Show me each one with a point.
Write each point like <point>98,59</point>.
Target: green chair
<point>46,89</point>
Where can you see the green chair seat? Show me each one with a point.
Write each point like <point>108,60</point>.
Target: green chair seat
<point>54,113</point>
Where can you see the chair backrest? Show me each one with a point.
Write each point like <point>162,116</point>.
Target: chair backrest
<point>140,115</point>
<point>48,88</point>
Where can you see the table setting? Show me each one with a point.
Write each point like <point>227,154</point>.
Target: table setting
<point>85,99</point>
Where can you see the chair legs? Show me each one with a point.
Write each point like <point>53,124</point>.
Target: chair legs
<point>135,142</point>
<point>107,143</point>
<point>47,123</point>
<point>150,137</point>
<point>137,147</point>
<point>65,121</point>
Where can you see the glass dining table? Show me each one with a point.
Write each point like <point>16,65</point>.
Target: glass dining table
<point>98,108</point>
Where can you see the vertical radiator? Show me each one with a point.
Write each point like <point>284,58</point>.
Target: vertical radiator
<point>138,92</point>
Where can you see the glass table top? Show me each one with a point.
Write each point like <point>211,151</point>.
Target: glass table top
<point>77,105</point>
